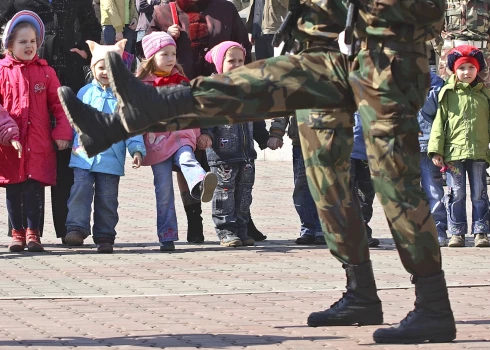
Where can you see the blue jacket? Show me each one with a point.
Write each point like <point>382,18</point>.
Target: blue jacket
<point>112,160</point>
<point>235,143</point>
<point>428,112</point>
<point>359,148</point>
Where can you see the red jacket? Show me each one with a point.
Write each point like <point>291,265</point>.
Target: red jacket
<point>28,91</point>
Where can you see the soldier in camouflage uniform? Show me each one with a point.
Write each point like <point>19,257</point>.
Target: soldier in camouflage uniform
<point>467,22</point>
<point>387,82</point>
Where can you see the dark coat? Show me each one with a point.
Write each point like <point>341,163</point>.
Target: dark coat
<point>76,24</point>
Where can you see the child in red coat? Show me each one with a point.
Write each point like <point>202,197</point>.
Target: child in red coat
<point>28,91</point>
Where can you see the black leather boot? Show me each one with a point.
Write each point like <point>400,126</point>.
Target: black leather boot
<point>254,232</point>
<point>195,231</point>
<point>97,130</point>
<point>360,305</point>
<point>142,105</point>
<point>431,320</point>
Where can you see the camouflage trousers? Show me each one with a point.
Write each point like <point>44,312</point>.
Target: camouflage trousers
<point>389,88</point>
<point>444,72</point>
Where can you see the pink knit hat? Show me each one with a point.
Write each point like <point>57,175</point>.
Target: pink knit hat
<point>217,54</point>
<point>154,42</point>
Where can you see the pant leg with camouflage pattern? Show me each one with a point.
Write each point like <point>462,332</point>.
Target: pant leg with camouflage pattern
<point>389,90</point>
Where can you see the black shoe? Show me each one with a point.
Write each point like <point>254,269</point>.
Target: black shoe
<point>360,305</point>
<point>195,230</point>
<point>373,242</point>
<point>98,131</point>
<point>105,248</point>
<point>431,320</point>
<point>141,105</point>
<point>167,246</point>
<point>305,239</point>
<point>253,232</point>
<point>320,240</point>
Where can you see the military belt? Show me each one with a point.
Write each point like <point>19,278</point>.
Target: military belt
<point>333,45</point>
<point>479,44</point>
<point>376,43</point>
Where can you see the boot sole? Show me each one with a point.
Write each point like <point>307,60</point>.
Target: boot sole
<point>354,323</point>
<point>233,244</point>
<point>438,337</point>
<point>35,248</point>
<point>208,186</point>
<point>16,248</point>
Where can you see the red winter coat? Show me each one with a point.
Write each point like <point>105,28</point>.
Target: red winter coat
<point>28,91</point>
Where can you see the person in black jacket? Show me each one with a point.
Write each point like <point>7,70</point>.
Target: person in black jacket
<point>69,23</point>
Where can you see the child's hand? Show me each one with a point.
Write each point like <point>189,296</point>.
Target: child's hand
<point>16,144</point>
<point>174,31</point>
<point>274,143</point>
<point>204,141</point>
<point>137,160</point>
<point>438,160</point>
<point>62,144</point>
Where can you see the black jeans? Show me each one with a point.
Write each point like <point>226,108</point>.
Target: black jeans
<point>25,199</point>
<point>361,181</point>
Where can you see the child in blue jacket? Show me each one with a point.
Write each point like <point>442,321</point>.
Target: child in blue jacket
<point>97,178</point>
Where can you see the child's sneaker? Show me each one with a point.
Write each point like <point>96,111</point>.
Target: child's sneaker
<point>456,241</point>
<point>229,239</point>
<point>105,248</point>
<point>74,238</point>
<point>481,240</point>
<point>305,239</point>
<point>442,241</point>
<point>208,185</point>
<point>167,246</point>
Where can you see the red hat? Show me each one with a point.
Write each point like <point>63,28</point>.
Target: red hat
<point>465,54</point>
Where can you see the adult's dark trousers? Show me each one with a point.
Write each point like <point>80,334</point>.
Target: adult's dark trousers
<point>263,46</point>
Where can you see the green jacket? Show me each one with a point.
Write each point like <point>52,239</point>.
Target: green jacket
<point>117,13</point>
<point>461,128</point>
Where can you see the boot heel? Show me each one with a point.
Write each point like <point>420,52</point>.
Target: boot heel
<point>442,337</point>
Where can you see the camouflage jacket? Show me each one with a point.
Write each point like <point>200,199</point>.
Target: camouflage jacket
<point>402,20</point>
<point>467,20</point>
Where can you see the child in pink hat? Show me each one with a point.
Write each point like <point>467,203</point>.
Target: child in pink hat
<point>165,149</point>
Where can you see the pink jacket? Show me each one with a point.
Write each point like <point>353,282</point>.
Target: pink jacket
<point>8,128</point>
<point>161,146</point>
<point>28,92</point>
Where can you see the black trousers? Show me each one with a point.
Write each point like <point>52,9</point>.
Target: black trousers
<point>59,195</point>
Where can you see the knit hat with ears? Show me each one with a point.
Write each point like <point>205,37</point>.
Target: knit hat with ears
<point>24,16</point>
<point>465,54</point>
<point>99,51</point>
<point>155,41</point>
<point>217,54</point>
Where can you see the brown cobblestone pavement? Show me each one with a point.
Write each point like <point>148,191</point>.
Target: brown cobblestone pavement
<point>210,297</point>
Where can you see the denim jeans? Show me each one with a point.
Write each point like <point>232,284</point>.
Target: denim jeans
<point>432,183</point>
<point>184,158</point>
<point>302,199</point>
<point>363,187</point>
<point>109,35</point>
<point>456,197</point>
<point>103,190</point>
<point>232,198</point>
<point>28,197</point>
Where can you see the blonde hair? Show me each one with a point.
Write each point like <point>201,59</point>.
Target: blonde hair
<point>148,67</point>
<point>14,31</point>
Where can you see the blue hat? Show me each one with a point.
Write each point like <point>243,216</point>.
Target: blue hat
<point>24,16</point>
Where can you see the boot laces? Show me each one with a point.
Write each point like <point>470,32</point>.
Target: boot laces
<point>340,301</point>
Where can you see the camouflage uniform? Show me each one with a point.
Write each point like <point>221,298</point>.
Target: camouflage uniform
<point>388,80</point>
<point>467,22</point>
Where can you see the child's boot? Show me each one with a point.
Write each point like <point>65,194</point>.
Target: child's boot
<point>18,243</point>
<point>142,105</point>
<point>195,230</point>
<point>33,241</point>
<point>253,231</point>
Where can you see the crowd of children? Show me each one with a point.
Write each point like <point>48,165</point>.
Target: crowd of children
<point>454,138</point>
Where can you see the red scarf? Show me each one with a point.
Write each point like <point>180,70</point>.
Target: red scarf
<point>198,27</point>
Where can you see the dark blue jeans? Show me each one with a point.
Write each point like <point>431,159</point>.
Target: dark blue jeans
<point>232,198</point>
<point>456,197</point>
<point>302,199</point>
<point>28,197</point>
<point>103,190</point>
<point>363,186</point>
<point>109,34</point>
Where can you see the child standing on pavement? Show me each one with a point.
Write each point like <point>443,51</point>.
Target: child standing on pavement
<point>166,149</point>
<point>231,158</point>
<point>430,174</point>
<point>97,178</point>
<point>28,91</point>
<point>459,140</point>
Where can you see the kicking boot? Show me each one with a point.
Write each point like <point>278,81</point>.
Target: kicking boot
<point>142,105</point>
<point>431,320</point>
<point>254,232</point>
<point>194,223</point>
<point>18,243</point>
<point>360,305</point>
<point>97,130</point>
